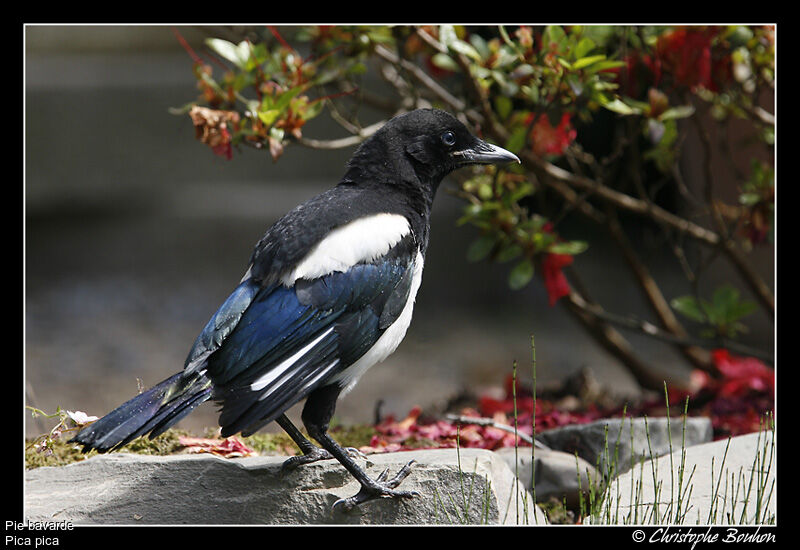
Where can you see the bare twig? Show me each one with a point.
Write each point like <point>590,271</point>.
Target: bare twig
<point>589,314</point>
<point>727,245</point>
<point>341,143</point>
<point>655,298</point>
<point>482,421</point>
<point>649,329</point>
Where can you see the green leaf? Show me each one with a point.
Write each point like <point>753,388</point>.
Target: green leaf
<point>269,116</point>
<point>586,61</point>
<point>745,199</point>
<point>688,306</point>
<point>682,111</point>
<point>604,66</point>
<point>508,253</point>
<point>725,301</point>
<point>618,106</point>
<point>571,247</point>
<point>238,55</point>
<point>737,311</point>
<point>517,139</point>
<point>480,44</point>
<point>564,63</point>
<point>311,110</point>
<point>286,97</point>
<point>277,134</point>
<point>553,34</point>
<point>444,61</point>
<point>449,38</point>
<point>205,77</point>
<point>466,49</point>
<point>585,45</point>
<point>531,92</point>
<point>503,106</point>
<point>522,70</point>
<point>521,275</point>
<point>447,33</point>
<point>480,248</point>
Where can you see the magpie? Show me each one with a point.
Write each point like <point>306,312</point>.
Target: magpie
<point>328,293</point>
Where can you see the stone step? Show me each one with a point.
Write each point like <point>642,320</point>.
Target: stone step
<point>473,486</point>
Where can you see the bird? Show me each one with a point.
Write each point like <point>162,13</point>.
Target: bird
<point>328,293</point>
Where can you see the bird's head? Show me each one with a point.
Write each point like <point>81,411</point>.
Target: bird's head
<point>426,145</point>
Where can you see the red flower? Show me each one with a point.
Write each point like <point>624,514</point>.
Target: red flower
<point>742,374</point>
<point>687,54</point>
<point>548,140</point>
<point>224,147</point>
<point>554,280</point>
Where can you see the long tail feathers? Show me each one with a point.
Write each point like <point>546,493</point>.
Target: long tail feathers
<point>152,411</point>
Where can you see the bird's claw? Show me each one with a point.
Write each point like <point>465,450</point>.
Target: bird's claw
<point>317,454</point>
<point>379,488</point>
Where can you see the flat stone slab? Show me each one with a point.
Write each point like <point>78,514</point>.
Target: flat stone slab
<point>626,441</point>
<point>471,486</point>
<point>724,482</point>
<point>559,476</point>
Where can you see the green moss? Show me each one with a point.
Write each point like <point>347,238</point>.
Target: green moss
<point>353,436</point>
<point>271,444</point>
<point>61,453</point>
<point>557,512</point>
<point>165,444</point>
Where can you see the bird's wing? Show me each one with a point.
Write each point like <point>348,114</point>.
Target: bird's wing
<point>268,347</point>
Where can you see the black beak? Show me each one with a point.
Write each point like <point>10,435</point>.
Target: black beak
<point>482,152</point>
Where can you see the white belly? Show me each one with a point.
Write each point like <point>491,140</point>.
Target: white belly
<point>388,341</point>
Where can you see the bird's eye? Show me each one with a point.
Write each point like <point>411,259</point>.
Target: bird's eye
<point>449,138</point>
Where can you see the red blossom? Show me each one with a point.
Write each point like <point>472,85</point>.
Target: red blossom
<point>554,280</point>
<point>688,55</point>
<point>738,398</point>
<point>224,148</point>
<point>548,140</point>
<point>742,374</point>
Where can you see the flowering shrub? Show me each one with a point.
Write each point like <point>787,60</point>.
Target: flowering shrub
<point>598,115</point>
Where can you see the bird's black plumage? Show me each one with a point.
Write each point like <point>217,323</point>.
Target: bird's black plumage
<point>328,293</point>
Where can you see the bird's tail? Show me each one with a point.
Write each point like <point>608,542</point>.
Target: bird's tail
<point>152,411</point>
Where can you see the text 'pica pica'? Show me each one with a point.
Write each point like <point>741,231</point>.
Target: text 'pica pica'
<point>329,292</point>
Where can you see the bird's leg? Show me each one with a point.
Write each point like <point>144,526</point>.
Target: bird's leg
<point>311,453</point>
<point>317,413</point>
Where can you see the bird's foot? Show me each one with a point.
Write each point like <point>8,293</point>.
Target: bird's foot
<point>316,454</point>
<point>379,488</point>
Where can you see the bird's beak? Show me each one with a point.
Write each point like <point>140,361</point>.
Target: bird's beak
<point>482,152</point>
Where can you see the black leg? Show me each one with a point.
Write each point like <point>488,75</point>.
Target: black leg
<point>317,414</point>
<point>311,453</point>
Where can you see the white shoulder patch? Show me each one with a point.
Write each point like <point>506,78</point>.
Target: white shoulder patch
<point>361,240</point>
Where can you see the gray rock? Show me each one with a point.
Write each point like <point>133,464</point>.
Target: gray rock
<point>556,474</point>
<point>473,486</point>
<point>614,444</point>
<point>728,483</point>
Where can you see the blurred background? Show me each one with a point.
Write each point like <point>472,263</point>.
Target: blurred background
<point>135,233</point>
